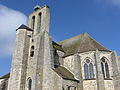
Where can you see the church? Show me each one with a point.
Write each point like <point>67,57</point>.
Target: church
<point>77,63</point>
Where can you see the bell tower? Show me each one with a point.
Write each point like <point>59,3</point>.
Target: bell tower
<point>39,65</point>
<point>39,19</point>
<point>32,57</point>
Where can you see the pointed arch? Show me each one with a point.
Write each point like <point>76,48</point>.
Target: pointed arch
<point>29,83</point>
<point>91,70</point>
<point>105,68</point>
<point>40,19</point>
<point>88,69</point>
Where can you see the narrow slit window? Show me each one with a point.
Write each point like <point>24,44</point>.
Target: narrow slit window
<point>40,20</point>
<point>32,51</point>
<point>40,17</point>
<point>33,22</point>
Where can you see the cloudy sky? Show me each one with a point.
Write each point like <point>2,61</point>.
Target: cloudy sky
<point>99,18</point>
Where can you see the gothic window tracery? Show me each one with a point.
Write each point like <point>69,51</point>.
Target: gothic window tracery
<point>105,68</point>
<point>88,69</point>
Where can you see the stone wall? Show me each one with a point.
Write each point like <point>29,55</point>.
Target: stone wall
<point>109,85</point>
<point>70,85</point>
<point>119,62</point>
<point>89,85</point>
<point>57,82</point>
<point>4,84</point>
<point>69,62</point>
<point>19,62</point>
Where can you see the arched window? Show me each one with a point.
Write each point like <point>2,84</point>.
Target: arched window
<point>91,70</point>
<point>29,84</point>
<point>40,18</point>
<point>88,69</point>
<point>33,22</point>
<point>105,68</point>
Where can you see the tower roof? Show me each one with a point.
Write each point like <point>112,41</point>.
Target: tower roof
<point>24,27</point>
<point>81,43</point>
<point>37,7</point>
<point>5,76</point>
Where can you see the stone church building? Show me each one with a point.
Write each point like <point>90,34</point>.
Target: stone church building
<point>78,63</point>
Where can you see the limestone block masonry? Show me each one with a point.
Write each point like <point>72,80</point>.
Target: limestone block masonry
<point>78,63</point>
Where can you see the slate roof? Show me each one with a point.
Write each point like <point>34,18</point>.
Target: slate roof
<point>65,73</point>
<point>57,46</point>
<point>81,43</point>
<point>24,27</point>
<point>5,76</point>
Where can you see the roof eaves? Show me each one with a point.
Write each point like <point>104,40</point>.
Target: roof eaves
<point>24,27</point>
<point>72,80</point>
<point>5,76</point>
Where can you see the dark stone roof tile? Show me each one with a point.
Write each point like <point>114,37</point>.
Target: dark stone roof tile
<point>64,73</point>
<point>81,43</point>
<point>24,27</point>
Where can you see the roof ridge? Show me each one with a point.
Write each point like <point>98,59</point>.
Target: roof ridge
<point>69,38</point>
<point>81,43</point>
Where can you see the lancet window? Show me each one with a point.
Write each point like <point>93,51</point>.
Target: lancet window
<point>33,22</point>
<point>29,84</point>
<point>88,69</point>
<point>40,19</point>
<point>105,68</point>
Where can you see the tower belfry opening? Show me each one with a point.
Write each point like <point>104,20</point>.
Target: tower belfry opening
<point>39,19</point>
